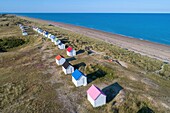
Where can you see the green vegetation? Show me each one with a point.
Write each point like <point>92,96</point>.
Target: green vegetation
<point>81,42</point>
<point>165,71</point>
<point>32,82</point>
<point>102,72</point>
<point>11,42</point>
<point>132,104</point>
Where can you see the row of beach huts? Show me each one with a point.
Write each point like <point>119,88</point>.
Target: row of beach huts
<point>94,94</point>
<point>23,29</point>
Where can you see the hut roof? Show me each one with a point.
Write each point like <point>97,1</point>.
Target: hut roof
<point>60,43</point>
<point>56,39</point>
<point>66,64</point>
<point>94,92</point>
<point>58,57</point>
<point>52,36</point>
<point>46,33</point>
<point>69,49</point>
<point>77,74</point>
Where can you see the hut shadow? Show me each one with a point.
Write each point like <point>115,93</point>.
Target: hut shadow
<point>64,40</point>
<point>79,52</point>
<point>30,33</point>
<point>111,91</point>
<point>59,36</point>
<point>50,25</point>
<point>77,66</point>
<point>71,59</point>
<point>2,50</point>
<point>90,52</point>
<point>145,110</point>
<point>93,76</point>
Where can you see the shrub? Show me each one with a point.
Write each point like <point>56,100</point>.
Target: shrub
<point>10,42</point>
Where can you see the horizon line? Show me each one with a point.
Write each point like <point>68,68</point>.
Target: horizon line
<point>92,12</point>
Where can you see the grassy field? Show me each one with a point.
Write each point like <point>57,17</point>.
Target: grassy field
<point>32,82</point>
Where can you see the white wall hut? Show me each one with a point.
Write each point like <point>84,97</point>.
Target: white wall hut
<point>61,46</point>
<point>57,42</point>
<point>24,33</point>
<point>67,68</point>
<point>71,51</point>
<point>23,30</point>
<point>60,60</point>
<point>96,96</point>
<point>34,28</point>
<point>19,25</point>
<point>49,35</point>
<point>78,78</point>
<point>52,37</point>
<point>45,33</point>
<point>40,31</point>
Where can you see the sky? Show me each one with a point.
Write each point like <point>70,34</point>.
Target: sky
<point>85,6</point>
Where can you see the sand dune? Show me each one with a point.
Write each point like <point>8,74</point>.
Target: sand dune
<point>154,50</point>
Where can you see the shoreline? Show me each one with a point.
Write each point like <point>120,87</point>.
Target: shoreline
<point>150,49</point>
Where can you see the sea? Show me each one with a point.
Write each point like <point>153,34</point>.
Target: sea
<point>150,27</point>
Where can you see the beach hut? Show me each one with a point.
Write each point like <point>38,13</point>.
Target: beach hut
<point>49,35</point>
<point>41,31</point>
<point>78,78</point>
<point>38,30</point>
<point>96,96</point>
<point>57,41</point>
<point>67,68</point>
<point>60,60</point>
<point>19,25</point>
<point>34,28</point>
<point>52,37</point>
<point>24,33</point>
<point>71,51</point>
<point>45,33</point>
<point>23,30</point>
<point>61,46</point>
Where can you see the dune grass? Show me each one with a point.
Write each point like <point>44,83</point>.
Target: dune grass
<point>32,82</point>
<point>81,42</point>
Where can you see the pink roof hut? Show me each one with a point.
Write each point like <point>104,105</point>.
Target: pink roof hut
<point>96,96</point>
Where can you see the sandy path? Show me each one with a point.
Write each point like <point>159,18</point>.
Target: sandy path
<point>63,90</point>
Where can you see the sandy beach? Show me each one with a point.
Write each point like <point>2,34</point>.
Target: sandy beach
<point>154,50</point>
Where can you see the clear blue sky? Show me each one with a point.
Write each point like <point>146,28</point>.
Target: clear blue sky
<point>85,6</point>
